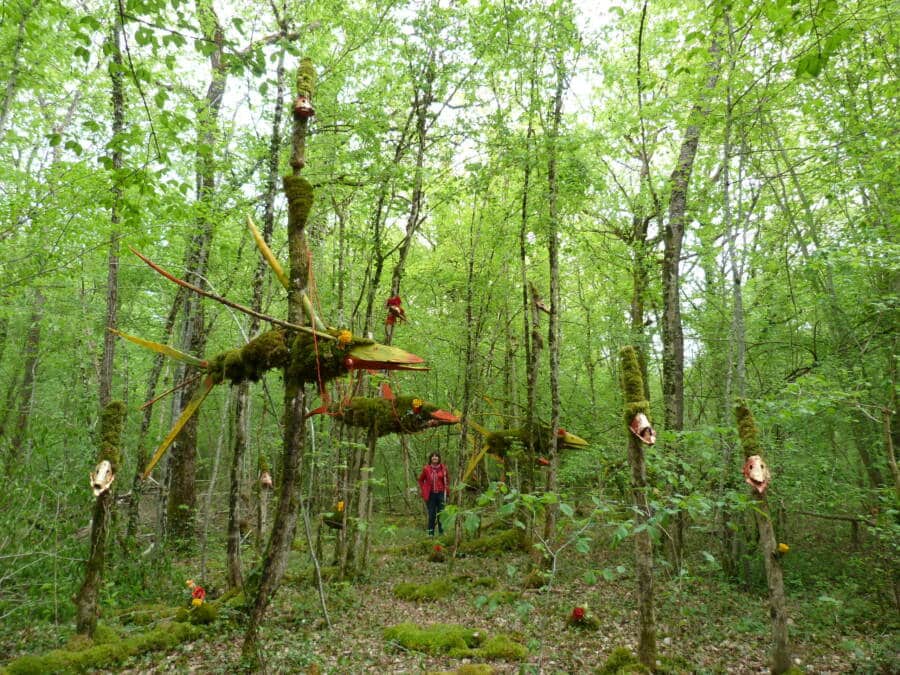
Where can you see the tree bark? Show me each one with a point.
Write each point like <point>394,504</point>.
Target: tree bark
<point>182,496</point>
<point>673,237</point>
<point>633,392</point>
<point>300,196</point>
<point>553,329</point>
<point>112,262</point>
<point>781,653</point>
<point>86,601</point>
<point>29,380</point>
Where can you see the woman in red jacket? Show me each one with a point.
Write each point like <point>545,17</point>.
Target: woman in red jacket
<point>434,482</point>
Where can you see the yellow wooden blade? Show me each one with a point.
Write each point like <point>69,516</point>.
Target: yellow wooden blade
<point>477,427</point>
<point>385,355</point>
<point>267,254</point>
<point>186,414</point>
<point>171,352</point>
<point>473,462</point>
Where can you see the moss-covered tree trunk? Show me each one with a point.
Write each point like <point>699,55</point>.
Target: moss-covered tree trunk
<point>86,601</point>
<point>768,544</point>
<point>299,194</point>
<point>633,394</point>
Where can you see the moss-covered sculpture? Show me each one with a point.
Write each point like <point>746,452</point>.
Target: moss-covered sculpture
<point>516,442</point>
<point>400,415</point>
<point>505,443</point>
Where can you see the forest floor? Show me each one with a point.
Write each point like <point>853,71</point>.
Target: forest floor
<point>840,622</point>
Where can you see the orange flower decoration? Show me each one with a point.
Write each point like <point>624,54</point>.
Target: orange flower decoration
<point>344,338</point>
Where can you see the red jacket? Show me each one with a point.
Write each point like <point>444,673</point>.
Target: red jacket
<point>433,479</point>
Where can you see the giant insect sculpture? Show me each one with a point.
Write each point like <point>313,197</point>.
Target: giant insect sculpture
<point>304,353</point>
<point>508,442</point>
<point>389,414</point>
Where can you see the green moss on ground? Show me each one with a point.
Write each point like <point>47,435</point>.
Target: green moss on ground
<point>456,641</point>
<point>466,669</point>
<point>436,639</point>
<point>433,590</point>
<point>200,615</point>
<point>499,647</point>
<point>501,542</point>
<point>622,661</point>
<point>96,656</point>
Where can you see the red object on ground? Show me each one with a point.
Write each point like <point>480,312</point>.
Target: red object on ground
<point>198,593</point>
<point>578,614</point>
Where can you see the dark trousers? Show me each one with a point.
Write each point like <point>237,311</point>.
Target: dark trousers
<point>435,506</point>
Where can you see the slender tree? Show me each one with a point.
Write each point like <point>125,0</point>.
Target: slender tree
<point>109,460</point>
<point>635,404</point>
<point>768,544</point>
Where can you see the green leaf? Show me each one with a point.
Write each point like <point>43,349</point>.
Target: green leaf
<point>566,510</point>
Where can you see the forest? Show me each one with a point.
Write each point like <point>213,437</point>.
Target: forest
<point>630,269</point>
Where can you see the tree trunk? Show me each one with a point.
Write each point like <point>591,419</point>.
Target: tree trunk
<point>183,457</point>
<point>633,393</point>
<point>12,80</point>
<point>112,276</point>
<point>781,653</point>
<point>553,329</point>
<point>673,236</point>
<point>134,503</point>
<point>242,401</point>
<point>86,601</point>
<point>300,197</point>
<point>29,380</point>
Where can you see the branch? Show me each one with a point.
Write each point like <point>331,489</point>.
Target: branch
<point>229,303</point>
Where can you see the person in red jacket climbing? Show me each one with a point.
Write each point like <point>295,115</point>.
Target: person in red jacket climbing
<point>434,483</point>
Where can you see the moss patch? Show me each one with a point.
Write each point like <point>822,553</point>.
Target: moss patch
<point>439,638</point>
<point>466,669</point>
<point>111,433</point>
<point>164,637</point>
<point>632,385</point>
<point>501,542</point>
<point>456,641</point>
<point>200,615</point>
<point>433,590</point>
<point>747,429</point>
<point>499,647</point>
<point>620,662</point>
